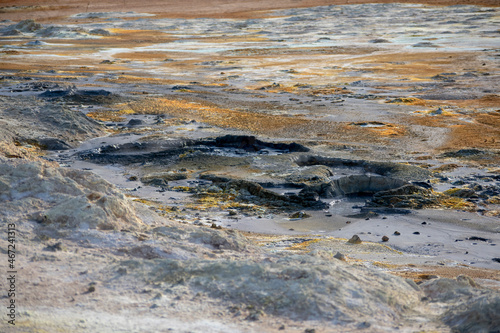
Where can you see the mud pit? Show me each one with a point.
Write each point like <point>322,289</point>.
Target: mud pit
<point>207,169</point>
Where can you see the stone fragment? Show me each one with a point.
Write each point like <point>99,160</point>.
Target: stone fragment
<point>385,239</point>
<point>340,256</point>
<point>355,240</point>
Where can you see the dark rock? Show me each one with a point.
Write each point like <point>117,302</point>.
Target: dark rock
<point>475,238</point>
<point>340,256</point>
<point>385,239</point>
<point>135,122</point>
<point>496,260</point>
<point>397,233</point>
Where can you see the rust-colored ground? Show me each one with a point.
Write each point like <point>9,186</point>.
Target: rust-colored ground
<point>422,273</point>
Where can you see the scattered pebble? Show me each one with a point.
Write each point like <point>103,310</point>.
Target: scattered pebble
<point>385,239</point>
<point>416,233</point>
<point>397,233</point>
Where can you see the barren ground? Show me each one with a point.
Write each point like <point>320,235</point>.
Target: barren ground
<point>201,165</point>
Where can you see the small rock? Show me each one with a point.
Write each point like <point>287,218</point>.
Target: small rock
<point>397,233</point>
<point>340,256</point>
<point>385,239</point>
<point>416,233</point>
<point>310,330</point>
<point>232,212</point>
<point>91,288</point>
<point>299,215</point>
<point>132,178</point>
<point>215,226</point>
<point>355,240</point>
<point>496,260</point>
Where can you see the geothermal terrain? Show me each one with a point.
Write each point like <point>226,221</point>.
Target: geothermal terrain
<point>295,166</point>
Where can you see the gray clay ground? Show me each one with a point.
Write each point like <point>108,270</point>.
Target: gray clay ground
<point>193,175</point>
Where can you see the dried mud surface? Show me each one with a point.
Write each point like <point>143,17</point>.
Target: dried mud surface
<point>297,166</point>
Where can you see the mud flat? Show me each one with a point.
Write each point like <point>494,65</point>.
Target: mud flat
<point>305,167</point>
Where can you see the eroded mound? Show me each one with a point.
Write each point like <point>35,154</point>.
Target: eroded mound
<point>299,287</point>
<point>63,197</point>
